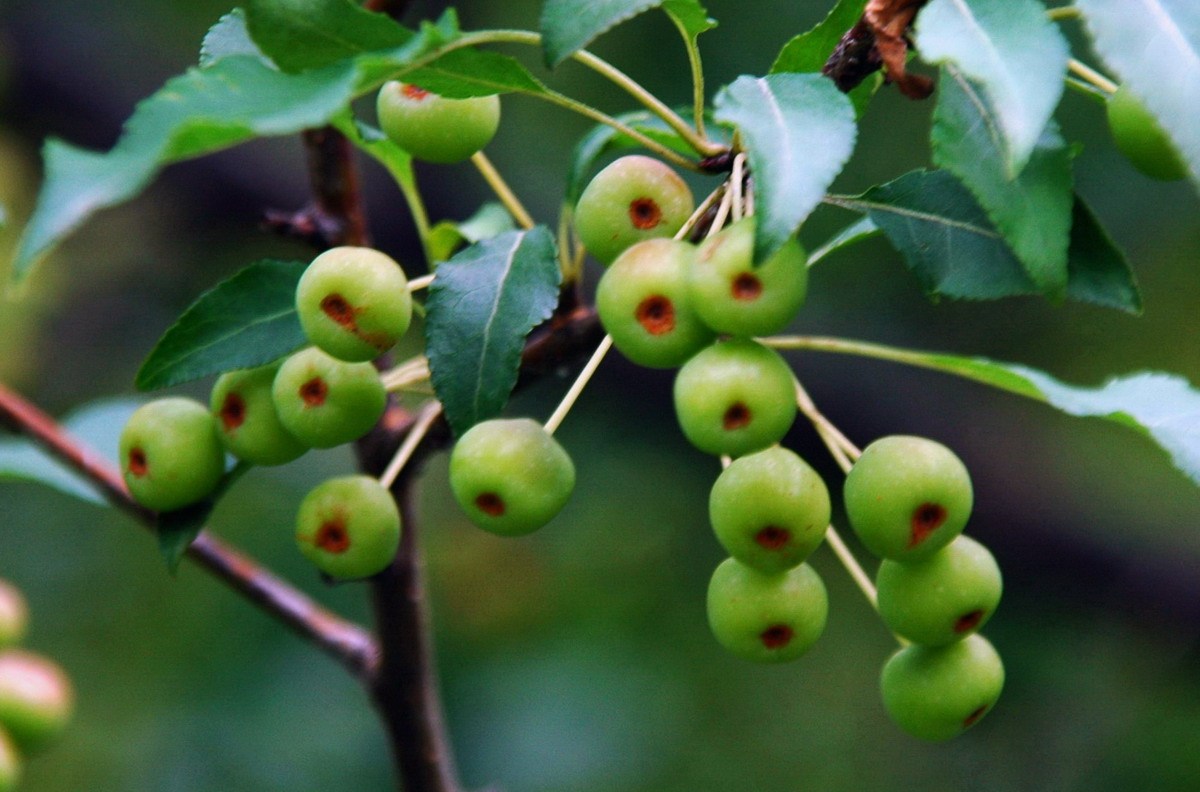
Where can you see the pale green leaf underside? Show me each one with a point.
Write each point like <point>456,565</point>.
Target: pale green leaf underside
<point>482,305</point>
<point>1012,50</point>
<point>1154,45</point>
<point>227,38</point>
<point>245,321</point>
<point>97,425</point>
<point>570,25</point>
<point>798,131</point>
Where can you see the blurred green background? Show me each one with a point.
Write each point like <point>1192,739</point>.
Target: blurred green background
<point>579,659</point>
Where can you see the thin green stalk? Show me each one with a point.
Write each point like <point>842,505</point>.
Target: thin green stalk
<point>1090,75</point>
<point>1064,12</point>
<point>581,382</point>
<point>502,190</point>
<point>693,53</point>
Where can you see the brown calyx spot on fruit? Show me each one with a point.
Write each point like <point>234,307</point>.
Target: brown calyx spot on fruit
<point>644,213</point>
<point>339,309</point>
<point>736,417</point>
<point>776,636</point>
<point>746,287</point>
<point>971,719</point>
<point>656,314</point>
<point>138,464</point>
<point>233,411</point>
<point>313,392</point>
<point>926,519</point>
<point>490,504</point>
<point>968,621</point>
<point>332,536</point>
<point>773,537</point>
<point>413,92</point>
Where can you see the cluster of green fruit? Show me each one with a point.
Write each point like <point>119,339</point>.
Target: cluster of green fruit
<point>665,302</point>
<point>354,304</point>
<point>36,698</point>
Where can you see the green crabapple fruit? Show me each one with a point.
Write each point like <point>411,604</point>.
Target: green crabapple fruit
<point>325,402</point>
<point>1141,138</point>
<point>509,476</point>
<point>632,199</point>
<point>643,303</point>
<point>246,419</point>
<point>768,618</point>
<point>171,454</point>
<point>348,527</point>
<point>436,128</point>
<point>938,692</point>
<point>769,509</point>
<point>942,598</point>
<point>735,397</point>
<point>734,296</point>
<point>354,303</point>
<point>10,763</point>
<point>907,497</point>
<point>14,615</point>
<point>36,699</point>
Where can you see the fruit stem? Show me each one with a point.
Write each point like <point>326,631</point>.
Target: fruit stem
<point>722,213</point>
<point>502,190</point>
<point>564,407</point>
<point>851,565</point>
<point>416,284</point>
<point>693,53</point>
<point>846,450</point>
<point>407,373</point>
<point>736,180</point>
<point>1092,76</point>
<point>704,206</point>
<point>425,418</point>
<point>1064,12</point>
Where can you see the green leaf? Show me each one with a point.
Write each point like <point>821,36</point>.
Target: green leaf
<point>863,228</point>
<point>96,425</point>
<point>309,34</point>
<point>798,131</point>
<point>245,321</point>
<point>463,73</point>
<point>570,25</point>
<point>1155,46</point>
<point>1099,271</point>
<point>947,241</point>
<point>1011,49</point>
<point>229,37</point>
<point>1164,407</point>
<point>690,16</point>
<point>176,530</point>
<point>809,51</point>
<point>492,219</point>
<point>481,307</point>
<point>1032,211</point>
<point>380,147</point>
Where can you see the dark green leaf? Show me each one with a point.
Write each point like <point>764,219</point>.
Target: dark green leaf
<point>481,307</point>
<point>309,34</point>
<point>176,530</point>
<point>97,425</point>
<point>248,320</point>
<point>1013,51</point>
<point>944,237</point>
<point>1099,272</point>
<point>570,25</point>
<point>1032,211</point>
<point>691,16</point>
<point>798,131</point>
<point>491,220</point>
<point>227,38</point>
<point>464,73</point>
<point>396,160</point>
<point>1165,407</point>
<point>809,51</point>
<point>1155,46</point>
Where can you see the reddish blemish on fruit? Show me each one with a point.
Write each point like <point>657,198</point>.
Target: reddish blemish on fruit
<point>413,92</point>
<point>736,417</point>
<point>233,412</point>
<point>926,519</point>
<point>491,504</point>
<point>776,636</point>
<point>968,621</point>
<point>336,307</point>
<point>974,717</point>
<point>138,465</point>
<point>313,392</point>
<point>332,536</point>
<point>746,287</point>
<point>644,213</point>
<point>772,537</point>
<point>656,314</point>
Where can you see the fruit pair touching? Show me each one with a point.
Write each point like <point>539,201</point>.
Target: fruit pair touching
<point>36,697</point>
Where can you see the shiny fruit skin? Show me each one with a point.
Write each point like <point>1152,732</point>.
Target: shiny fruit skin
<point>436,128</point>
<point>938,692</point>
<point>348,527</point>
<point>766,618</point>
<point>325,402</point>
<point>36,699</point>
<point>171,454</point>
<point>244,413</point>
